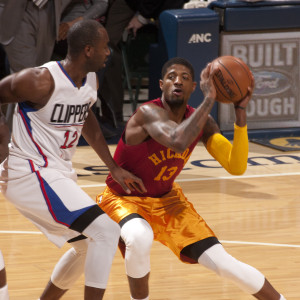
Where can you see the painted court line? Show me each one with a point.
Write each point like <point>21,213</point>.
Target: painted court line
<point>222,241</point>
<point>209,178</point>
<point>260,244</point>
<point>19,232</point>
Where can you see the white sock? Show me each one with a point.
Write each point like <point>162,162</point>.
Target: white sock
<point>282,298</point>
<point>4,293</point>
<point>147,298</point>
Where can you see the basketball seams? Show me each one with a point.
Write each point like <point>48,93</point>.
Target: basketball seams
<point>220,91</point>
<point>245,68</point>
<point>228,72</point>
<point>231,79</point>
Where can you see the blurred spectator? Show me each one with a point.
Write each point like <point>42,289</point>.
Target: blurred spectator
<point>78,10</point>
<point>28,29</point>
<point>129,15</point>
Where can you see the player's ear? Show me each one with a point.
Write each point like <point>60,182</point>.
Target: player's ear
<point>161,83</point>
<point>194,85</point>
<point>88,50</point>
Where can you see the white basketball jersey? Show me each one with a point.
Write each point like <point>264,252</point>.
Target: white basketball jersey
<point>48,137</point>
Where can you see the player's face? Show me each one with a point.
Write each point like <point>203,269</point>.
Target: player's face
<point>101,51</point>
<point>177,85</point>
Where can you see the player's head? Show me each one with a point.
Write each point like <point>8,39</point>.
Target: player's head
<point>177,61</point>
<point>177,81</point>
<point>90,38</point>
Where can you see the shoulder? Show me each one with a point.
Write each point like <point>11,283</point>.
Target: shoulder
<point>33,84</point>
<point>151,112</point>
<point>33,76</point>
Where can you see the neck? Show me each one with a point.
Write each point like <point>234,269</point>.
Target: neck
<point>176,112</point>
<point>74,70</point>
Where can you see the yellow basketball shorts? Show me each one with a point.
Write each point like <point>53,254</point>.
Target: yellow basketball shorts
<point>174,221</point>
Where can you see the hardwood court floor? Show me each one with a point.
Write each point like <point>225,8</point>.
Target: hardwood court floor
<point>256,216</point>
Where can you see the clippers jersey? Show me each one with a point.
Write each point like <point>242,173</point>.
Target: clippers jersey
<point>157,165</point>
<point>47,137</point>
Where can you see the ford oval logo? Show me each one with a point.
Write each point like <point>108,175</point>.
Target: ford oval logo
<point>270,83</point>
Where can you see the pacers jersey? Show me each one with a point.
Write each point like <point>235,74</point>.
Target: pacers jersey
<point>47,137</point>
<point>155,164</point>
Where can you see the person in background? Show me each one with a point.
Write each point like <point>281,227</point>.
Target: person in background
<point>126,15</point>
<point>76,11</point>
<point>28,29</point>
<point>160,137</point>
<point>53,109</point>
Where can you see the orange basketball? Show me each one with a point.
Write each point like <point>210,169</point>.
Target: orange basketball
<point>232,78</point>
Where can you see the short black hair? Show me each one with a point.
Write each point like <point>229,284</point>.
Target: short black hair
<point>81,34</point>
<point>177,61</point>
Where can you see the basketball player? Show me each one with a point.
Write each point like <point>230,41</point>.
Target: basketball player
<point>156,144</point>
<point>4,137</point>
<point>54,109</point>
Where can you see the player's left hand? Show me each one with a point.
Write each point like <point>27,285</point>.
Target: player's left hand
<point>128,181</point>
<point>244,102</point>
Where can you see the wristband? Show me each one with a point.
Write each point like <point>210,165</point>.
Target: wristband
<point>240,107</point>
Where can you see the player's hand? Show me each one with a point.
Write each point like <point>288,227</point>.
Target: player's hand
<point>206,82</point>
<point>244,102</point>
<point>128,181</point>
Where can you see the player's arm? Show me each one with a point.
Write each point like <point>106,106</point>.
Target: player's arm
<point>33,85</point>
<point>151,120</point>
<point>233,157</point>
<point>93,135</point>
<point>4,137</point>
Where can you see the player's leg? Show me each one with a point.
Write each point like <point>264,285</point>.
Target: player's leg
<point>137,235</point>
<point>62,211</point>
<point>247,278</point>
<point>3,282</point>
<point>94,256</point>
<point>72,206</point>
<point>68,269</point>
<point>201,245</point>
<point>104,234</point>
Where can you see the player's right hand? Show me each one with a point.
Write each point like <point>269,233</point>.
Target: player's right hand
<point>128,181</point>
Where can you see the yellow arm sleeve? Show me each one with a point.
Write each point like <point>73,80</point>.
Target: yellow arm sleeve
<point>233,157</point>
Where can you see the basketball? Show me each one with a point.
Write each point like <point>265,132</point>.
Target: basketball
<point>232,79</point>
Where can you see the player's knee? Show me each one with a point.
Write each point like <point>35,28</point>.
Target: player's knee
<point>80,247</point>
<point>103,229</point>
<point>138,237</point>
<point>225,266</point>
<point>218,260</point>
<point>140,242</point>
